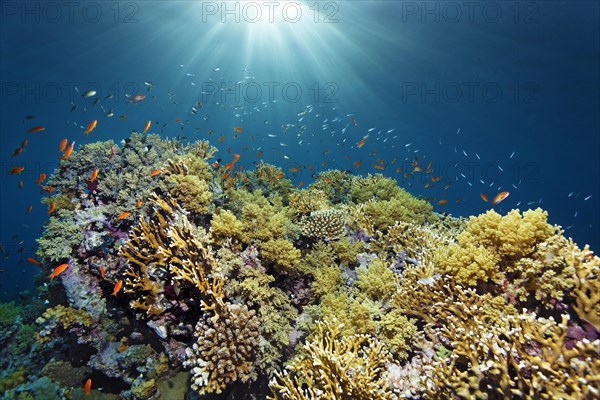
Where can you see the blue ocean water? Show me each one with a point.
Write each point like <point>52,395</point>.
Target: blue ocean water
<point>498,96</point>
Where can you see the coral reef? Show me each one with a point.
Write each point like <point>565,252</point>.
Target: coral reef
<point>239,285</point>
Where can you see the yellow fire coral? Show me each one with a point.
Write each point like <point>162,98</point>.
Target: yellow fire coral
<point>170,242</point>
<point>334,366</point>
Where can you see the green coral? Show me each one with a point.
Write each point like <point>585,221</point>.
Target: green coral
<point>12,380</point>
<point>328,279</point>
<point>224,225</point>
<point>307,201</point>
<point>346,251</point>
<point>268,180</point>
<point>375,187</point>
<point>398,332</point>
<point>379,215</point>
<point>377,281</point>
<point>262,222</point>
<point>9,313</point>
<point>61,235</point>
<point>280,252</point>
<point>335,184</point>
<point>468,263</point>
<point>191,192</point>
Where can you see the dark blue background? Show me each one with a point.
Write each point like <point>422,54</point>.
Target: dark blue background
<point>533,66</point>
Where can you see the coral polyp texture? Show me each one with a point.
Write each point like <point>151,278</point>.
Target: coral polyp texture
<point>173,267</point>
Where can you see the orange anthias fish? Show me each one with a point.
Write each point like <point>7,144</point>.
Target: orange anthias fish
<point>499,198</point>
<point>68,151</point>
<point>58,270</point>
<point>237,129</point>
<point>29,208</point>
<point>94,175</point>
<point>102,271</point>
<point>36,129</point>
<point>123,215</point>
<point>483,197</point>
<point>87,387</point>
<point>42,178</point>
<point>34,261</point>
<point>117,287</point>
<point>362,142</point>
<point>442,202</point>
<point>147,126</point>
<point>138,203</point>
<point>18,151</point>
<point>155,172</point>
<point>90,127</point>
<point>50,208</point>
<point>16,170</point>
<point>63,145</point>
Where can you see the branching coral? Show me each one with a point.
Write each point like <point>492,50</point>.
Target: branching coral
<point>335,367</point>
<point>224,350</point>
<point>168,244</point>
<point>529,359</point>
<point>324,224</point>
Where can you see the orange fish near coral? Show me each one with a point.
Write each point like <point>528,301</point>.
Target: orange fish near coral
<point>68,151</point>
<point>123,215</point>
<point>500,197</point>
<point>87,387</point>
<point>50,208</point>
<point>16,170</point>
<point>237,129</point>
<point>58,270</point>
<point>62,145</point>
<point>102,271</point>
<point>42,178</point>
<point>117,287</point>
<point>91,127</point>
<point>34,261</point>
<point>36,129</point>
<point>155,172</point>
<point>442,202</point>
<point>94,175</point>
<point>147,126</point>
<point>138,203</point>
<point>483,197</point>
